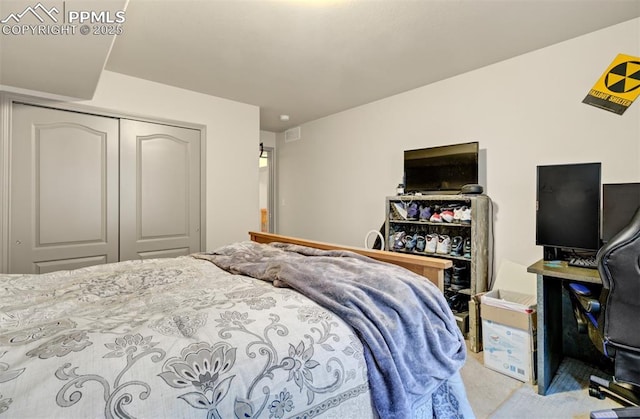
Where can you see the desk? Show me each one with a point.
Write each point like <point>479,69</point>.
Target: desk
<point>550,324</point>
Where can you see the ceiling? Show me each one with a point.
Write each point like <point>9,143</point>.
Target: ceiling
<point>60,64</point>
<point>311,58</point>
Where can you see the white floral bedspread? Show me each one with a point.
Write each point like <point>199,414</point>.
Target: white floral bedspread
<point>180,338</point>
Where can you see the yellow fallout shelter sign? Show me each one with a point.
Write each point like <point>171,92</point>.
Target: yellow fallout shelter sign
<point>618,86</point>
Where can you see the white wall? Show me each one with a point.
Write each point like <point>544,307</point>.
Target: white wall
<point>525,111</point>
<point>232,131</point>
<point>268,138</point>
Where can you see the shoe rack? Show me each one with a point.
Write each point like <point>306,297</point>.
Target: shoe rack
<point>410,222</point>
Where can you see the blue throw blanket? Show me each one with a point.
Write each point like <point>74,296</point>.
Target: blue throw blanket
<point>411,341</point>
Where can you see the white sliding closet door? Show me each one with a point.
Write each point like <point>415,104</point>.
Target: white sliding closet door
<point>159,190</point>
<point>64,190</point>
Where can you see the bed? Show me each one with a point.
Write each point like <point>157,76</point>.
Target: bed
<point>273,327</point>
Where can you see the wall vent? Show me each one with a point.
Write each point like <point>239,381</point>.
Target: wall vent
<point>292,134</point>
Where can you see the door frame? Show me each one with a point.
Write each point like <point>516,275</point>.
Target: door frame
<point>8,99</point>
<point>271,193</point>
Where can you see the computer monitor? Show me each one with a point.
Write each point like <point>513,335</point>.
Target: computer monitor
<point>568,206</point>
<point>619,202</point>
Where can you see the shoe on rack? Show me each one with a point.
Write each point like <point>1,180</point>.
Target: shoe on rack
<point>421,243</point>
<point>444,245</point>
<point>457,246</point>
<point>459,303</point>
<point>412,211</point>
<point>447,281</point>
<point>410,244</point>
<point>398,211</point>
<point>432,243</point>
<point>465,217</point>
<point>460,278</point>
<point>435,218</point>
<point>457,215</point>
<point>399,240</point>
<point>463,304</point>
<point>425,213</point>
<point>452,300</point>
<point>447,215</point>
<point>467,247</point>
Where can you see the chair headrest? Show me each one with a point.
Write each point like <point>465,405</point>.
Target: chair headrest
<point>627,235</point>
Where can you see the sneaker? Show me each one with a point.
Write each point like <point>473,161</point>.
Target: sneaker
<point>421,243</point>
<point>458,302</point>
<point>447,216</point>
<point>435,218</point>
<point>447,280</point>
<point>457,215</point>
<point>444,245</point>
<point>465,217</point>
<point>410,244</point>
<point>457,246</point>
<point>460,278</point>
<point>467,248</point>
<point>399,240</point>
<point>425,213</point>
<point>432,243</point>
<point>398,211</point>
<point>412,211</point>
<point>451,298</point>
<point>462,304</point>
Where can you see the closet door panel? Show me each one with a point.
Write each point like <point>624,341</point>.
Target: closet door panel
<point>61,193</point>
<point>159,190</point>
<point>64,190</point>
<point>164,187</point>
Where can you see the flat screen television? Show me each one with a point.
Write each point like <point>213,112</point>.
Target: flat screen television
<point>620,201</point>
<point>443,169</point>
<point>568,206</point>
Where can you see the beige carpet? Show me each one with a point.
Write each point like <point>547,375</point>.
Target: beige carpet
<point>494,395</point>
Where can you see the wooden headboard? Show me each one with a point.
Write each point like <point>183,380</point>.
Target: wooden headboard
<point>429,267</point>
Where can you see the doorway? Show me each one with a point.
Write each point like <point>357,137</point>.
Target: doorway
<point>267,190</point>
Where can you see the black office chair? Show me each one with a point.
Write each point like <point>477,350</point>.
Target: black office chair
<point>612,319</point>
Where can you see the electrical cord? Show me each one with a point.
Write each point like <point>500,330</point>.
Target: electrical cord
<point>366,239</point>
